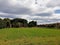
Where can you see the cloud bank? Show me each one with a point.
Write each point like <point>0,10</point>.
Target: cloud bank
<point>45,11</point>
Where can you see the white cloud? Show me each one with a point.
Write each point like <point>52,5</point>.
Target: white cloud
<point>43,12</point>
<point>53,3</point>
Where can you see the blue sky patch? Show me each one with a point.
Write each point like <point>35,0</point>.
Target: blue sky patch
<point>57,11</point>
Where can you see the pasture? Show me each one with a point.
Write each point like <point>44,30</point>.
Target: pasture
<point>29,36</point>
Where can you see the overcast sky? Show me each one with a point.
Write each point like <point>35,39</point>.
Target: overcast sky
<point>45,11</point>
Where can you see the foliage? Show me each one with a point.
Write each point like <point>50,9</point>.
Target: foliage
<point>2,24</point>
<point>19,22</point>
<point>16,22</point>
<point>7,22</point>
<point>32,24</point>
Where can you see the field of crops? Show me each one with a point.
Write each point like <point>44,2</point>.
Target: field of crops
<point>29,36</point>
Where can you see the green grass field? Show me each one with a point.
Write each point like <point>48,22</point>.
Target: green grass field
<point>29,36</point>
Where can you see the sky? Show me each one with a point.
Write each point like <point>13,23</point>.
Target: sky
<point>44,12</point>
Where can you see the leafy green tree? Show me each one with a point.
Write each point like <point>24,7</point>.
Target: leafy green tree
<point>7,22</point>
<point>32,24</point>
<point>2,24</point>
<point>19,22</point>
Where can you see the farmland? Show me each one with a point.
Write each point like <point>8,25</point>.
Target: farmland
<point>29,36</point>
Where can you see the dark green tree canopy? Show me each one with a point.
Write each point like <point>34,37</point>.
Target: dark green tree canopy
<point>32,24</point>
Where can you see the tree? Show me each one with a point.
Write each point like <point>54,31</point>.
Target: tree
<point>19,22</point>
<point>16,22</point>
<point>2,24</point>
<point>7,22</point>
<point>32,24</point>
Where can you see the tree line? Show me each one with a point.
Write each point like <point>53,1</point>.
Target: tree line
<point>53,25</point>
<point>19,22</point>
<point>16,23</point>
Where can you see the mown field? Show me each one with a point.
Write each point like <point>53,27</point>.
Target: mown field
<point>29,36</point>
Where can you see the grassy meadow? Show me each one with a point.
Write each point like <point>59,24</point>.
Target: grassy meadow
<point>29,36</point>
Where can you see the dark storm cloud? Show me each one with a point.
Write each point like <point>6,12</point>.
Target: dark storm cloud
<point>45,20</point>
<point>21,10</point>
<point>7,16</point>
<point>44,14</point>
<point>6,7</point>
